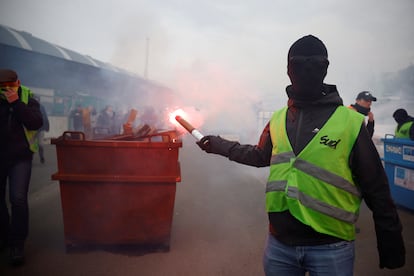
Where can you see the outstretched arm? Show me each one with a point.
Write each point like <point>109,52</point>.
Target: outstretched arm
<point>253,155</point>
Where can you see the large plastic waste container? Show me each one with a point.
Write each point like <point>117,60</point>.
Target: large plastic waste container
<point>117,193</point>
<point>399,166</point>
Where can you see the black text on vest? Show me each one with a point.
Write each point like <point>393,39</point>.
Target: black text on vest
<point>328,142</point>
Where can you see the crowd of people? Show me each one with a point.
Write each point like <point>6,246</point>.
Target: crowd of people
<point>109,122</point>
<point>317,150</point>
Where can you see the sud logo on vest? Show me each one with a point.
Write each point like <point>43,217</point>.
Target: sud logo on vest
<point>325,140</point>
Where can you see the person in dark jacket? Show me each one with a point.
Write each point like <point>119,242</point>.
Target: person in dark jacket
<point>106,120</point>
<point>41,133</point>
<point>363,104</point>
<point>405,127</point>
<point>76,116</point>
<point>312,210</point>
<point>20,118</point>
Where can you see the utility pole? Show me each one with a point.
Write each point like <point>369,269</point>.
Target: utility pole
<point>146,58</point>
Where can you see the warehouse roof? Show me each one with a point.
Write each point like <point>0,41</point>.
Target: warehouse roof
<point>27,41</point>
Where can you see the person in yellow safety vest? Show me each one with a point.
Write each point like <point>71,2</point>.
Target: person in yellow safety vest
<point>405,127</point>
<point>362,105</point>
<point>317,151</point>
<point>20,118</point>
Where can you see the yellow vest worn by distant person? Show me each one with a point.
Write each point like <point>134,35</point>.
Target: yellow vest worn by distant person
<point>404,130</point>
<point>316,186</point>
<point>30,134</point>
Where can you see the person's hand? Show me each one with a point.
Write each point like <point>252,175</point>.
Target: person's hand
<point>204,143</point>
<point>391,261</point>
<point>216,144</point>
<point>391,250</point>
<point>370,116</point>
<point>11,95</point>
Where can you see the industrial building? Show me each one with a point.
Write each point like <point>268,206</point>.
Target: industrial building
<point>63,78</point>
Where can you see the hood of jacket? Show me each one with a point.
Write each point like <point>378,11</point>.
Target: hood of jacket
<point>304,117</point>
<point>330,96</point>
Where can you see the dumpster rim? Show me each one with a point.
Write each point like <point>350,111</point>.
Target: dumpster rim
<point>114,178</point>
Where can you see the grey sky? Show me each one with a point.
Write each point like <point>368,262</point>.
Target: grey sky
<point>242,44</point>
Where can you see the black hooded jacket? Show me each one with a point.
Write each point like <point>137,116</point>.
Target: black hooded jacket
<point>302,118</point>
<point>13,117</point>
<point>310,105</point>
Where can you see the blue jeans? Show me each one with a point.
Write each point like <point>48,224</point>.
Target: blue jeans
<point>16,225</point>
<point>327,260</point>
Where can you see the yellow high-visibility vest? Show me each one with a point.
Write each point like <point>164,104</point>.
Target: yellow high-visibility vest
<point>31,135</point>
<point>404,130</point>
<point>316,186</point>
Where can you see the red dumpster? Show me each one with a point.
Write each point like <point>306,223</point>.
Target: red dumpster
<point>117,193</point>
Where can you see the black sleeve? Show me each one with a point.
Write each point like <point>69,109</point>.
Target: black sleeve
<point>370,128</point>
<point>254,155</point>
<point>29,115</point>
<point>370,175</point>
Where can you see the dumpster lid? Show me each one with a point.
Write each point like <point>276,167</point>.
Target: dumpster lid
<point>162,139</point>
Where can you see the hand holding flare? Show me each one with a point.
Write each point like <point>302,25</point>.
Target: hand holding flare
<point>196,134</point>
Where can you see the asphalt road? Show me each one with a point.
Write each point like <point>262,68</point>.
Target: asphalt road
<point>219,227</point>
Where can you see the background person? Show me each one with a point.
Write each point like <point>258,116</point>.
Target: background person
<point>363,104</point>
<point>405,127</point>
<point>76,116</point>
<point>106,120</point>
<point>41,133</point>
<point>20,118</point>
<point>317,151</point>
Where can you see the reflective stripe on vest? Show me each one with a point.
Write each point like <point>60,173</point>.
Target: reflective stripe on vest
<point>31,135</point>
<point>316,190</point>
<point>404,131</point>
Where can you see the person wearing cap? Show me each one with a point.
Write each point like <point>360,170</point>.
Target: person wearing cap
<point>363,104</point>
<point>317,150</point>
<point>20,118</point>
<point>405,127</point>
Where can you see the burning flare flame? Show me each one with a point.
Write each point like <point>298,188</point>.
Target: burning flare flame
<point>178,112</point>
<point>178,117</point>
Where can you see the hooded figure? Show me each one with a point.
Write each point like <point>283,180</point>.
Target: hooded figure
<point>307,68</point>
<point>401,116</point>
<point>405,127</point>
<point>316,150</point>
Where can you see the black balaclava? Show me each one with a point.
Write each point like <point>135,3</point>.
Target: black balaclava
<point>307,75</point>
<point>400,115</point>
